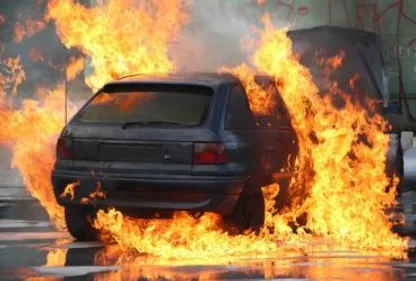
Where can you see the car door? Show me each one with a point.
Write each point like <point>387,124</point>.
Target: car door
<point>240,122</point>
<point>284,138</point>
<point>279,141</point>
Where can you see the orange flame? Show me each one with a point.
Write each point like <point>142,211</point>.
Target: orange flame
<point>13,77</point>
<point>261,101</point>
<point>35,55</point>
<point>191,240</point>
<point>109,35</point>
<point>120,37</point>
<point>98,193</point>
<point>347,191</point>
<point>74,68</point>
<point>340,182</point>
<point>56,257</point>
<point>27,30</point>
<point>70,190</point>
<point>124,103</point>
<point>31,132</point>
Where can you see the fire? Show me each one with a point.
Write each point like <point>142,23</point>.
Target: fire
<point>331,63</point>
<point>35,55</point>
<point>30,131</point>
<point>56,257</point>
<point>27,30</point>
<point>347,190</point>
<point>182,238</point>
<point>124,103</point>
<point>13,77</point>
<point>109,35</point>
<point>74,68</point>
<point>340,182</point>
<point>191,240</point>
<point>98,193</point>
<point>261,101</point>
<point>120,37</point>
<point>70,190</point>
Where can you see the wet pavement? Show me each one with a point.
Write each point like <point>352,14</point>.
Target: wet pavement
<point>31,250</point>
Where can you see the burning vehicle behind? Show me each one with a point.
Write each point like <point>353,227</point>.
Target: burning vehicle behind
<point>361,76</point>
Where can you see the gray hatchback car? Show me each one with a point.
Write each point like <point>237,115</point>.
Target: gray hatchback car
<point>156,145</point>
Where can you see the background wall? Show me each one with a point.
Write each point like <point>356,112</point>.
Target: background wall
<point>219,24</point>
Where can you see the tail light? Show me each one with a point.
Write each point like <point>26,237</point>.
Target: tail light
<point>209,154</point>
<point>64,149</point>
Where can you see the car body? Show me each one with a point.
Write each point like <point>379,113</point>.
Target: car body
<point>154,145</point>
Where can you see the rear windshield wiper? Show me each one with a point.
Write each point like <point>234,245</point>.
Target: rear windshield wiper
<point>151,123</point>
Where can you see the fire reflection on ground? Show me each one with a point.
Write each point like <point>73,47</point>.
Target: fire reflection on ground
<point>315,265</point>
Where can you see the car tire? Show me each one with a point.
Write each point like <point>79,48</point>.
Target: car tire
<point>79,224</point>
<point>282,198</point>
<point>247,215</point>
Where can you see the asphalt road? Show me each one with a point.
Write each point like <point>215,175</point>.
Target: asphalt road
<point>31,250</point>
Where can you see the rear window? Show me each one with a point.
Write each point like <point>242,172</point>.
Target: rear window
<point>173,106</point>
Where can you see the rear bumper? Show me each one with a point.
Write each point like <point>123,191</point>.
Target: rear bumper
<point>150,194</point>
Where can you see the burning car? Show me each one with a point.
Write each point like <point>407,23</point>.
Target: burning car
<point>166,143</point>
<point>361,75</point>
<point>153,145</point>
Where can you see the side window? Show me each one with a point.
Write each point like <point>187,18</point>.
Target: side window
<point>239,115</point>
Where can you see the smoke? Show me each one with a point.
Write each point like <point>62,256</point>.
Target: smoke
<point>215,35</point>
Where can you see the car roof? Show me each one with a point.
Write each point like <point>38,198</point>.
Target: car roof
<point>199,79</point>
<point>338,30</point>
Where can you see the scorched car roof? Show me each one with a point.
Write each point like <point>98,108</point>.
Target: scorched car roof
<point>200,79</point>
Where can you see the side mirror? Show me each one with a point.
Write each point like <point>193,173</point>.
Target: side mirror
<point>394,107</point>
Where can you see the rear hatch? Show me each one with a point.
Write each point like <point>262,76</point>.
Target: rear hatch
<point>141,129</point>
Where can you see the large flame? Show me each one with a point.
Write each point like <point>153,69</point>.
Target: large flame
<point>345,148</point>
<point>30,131</point>
<point>185,238</point>
<point>340,182</point>
<point>120,37</point>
